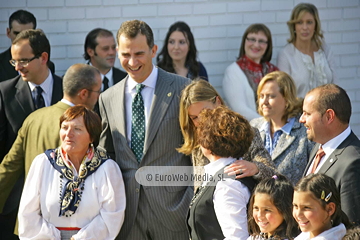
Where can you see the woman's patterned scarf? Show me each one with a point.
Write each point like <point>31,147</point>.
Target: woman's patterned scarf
<point>70,193</point>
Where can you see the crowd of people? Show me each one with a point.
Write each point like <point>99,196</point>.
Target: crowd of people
<point>287,161</point>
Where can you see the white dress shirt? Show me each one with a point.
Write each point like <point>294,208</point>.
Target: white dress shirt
<point>329,148</point>
<point>334,233</point>
<point>47,87</point>
<point>100,213</point>
<point>147,94</point>
<point>230,200</point>
<point>109,76</point>
<point>67,102</point>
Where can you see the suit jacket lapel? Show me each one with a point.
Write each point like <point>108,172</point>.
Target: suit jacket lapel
<point>163,96</point>
<point>283,143</point>
<point>57,92</point>
<point>311,157</point>
<point>334,155</point>
<point>118,110</point>
<point>24,97</point>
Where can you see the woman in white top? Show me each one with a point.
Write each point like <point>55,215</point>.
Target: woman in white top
<point>241,78</point>
<point>306,58</point>
<point>74,191</point>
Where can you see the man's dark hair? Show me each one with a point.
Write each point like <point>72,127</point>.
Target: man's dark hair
<point>37,40</point>
<point>23,17</point>
<point>132,28</point>
<point>90,40</point>
<point>332,96</point>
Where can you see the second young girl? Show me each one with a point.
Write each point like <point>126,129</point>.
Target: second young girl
<point>317,209</point>
<point>270,208</point>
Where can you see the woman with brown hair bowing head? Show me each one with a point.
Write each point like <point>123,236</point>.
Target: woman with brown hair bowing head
<point>306,58</point>
<point>218,209</point>
<point>179,54</point>
<point>243,76</point>
<point>91,203</point>
<point>197,96</point>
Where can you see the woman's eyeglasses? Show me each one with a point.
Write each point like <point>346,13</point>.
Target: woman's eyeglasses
<point>253,40</point>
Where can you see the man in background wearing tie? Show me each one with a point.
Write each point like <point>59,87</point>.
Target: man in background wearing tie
<point>326,115</point>
<point>34,88</point>
<point>100,51</point>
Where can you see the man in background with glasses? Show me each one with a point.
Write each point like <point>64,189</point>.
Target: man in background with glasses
<point>34,88</point>
<point>18,21</point>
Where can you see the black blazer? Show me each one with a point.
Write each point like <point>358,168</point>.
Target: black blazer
<point>7,71</point>
<point>343,165</point>
<point>118,75</point>
<point>16,104</point>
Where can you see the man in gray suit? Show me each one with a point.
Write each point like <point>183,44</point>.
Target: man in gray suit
<point>141,128</point>
<point>326,115</point>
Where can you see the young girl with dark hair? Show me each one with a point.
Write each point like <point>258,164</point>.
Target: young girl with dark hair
<point>270,208</point>
<point>317,209</point>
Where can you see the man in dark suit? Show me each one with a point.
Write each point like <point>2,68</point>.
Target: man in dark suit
<point>326,115</point>
<point>100,51</point>
<point>18,21</point>
<point>35,87</point>
<point>140,118</point>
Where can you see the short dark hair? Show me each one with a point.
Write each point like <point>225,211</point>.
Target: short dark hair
<point>255,28</point>
<point>164,60</point>
<point>332,96</point>
<point>91,120</point>
<point>37,40</point>
<point>224,132</point>
<point>90,40</point>
<point>23,17</point>
<point>79,76</point>
<point>280,191</point>
<point>317,184</point>
<point>132,28</point>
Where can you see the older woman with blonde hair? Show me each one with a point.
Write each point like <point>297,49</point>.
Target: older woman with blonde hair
<point>306,57</point>
<point>283,136</point>
<point>197,96</point>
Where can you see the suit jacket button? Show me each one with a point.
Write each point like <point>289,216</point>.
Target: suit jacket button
<point>137,190</point>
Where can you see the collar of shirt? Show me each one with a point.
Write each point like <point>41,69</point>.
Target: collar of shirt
<point>213,167</point>
<point>67,102</point>
<point>47,87</point>
<point>109,76</point>
<point>286,128</point>
<point>150,81</point>
<point>331,145</point>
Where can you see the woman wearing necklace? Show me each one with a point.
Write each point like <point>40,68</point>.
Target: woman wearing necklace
<point>306,58</point>
<point>179,54</point>
<point>219,207</point>
<point>74,191</point>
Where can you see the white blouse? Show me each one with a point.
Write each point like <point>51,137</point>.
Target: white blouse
<point>230,202</point>
<point>335,233</point>
<point>100,214</point>
<point>307,73</point>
